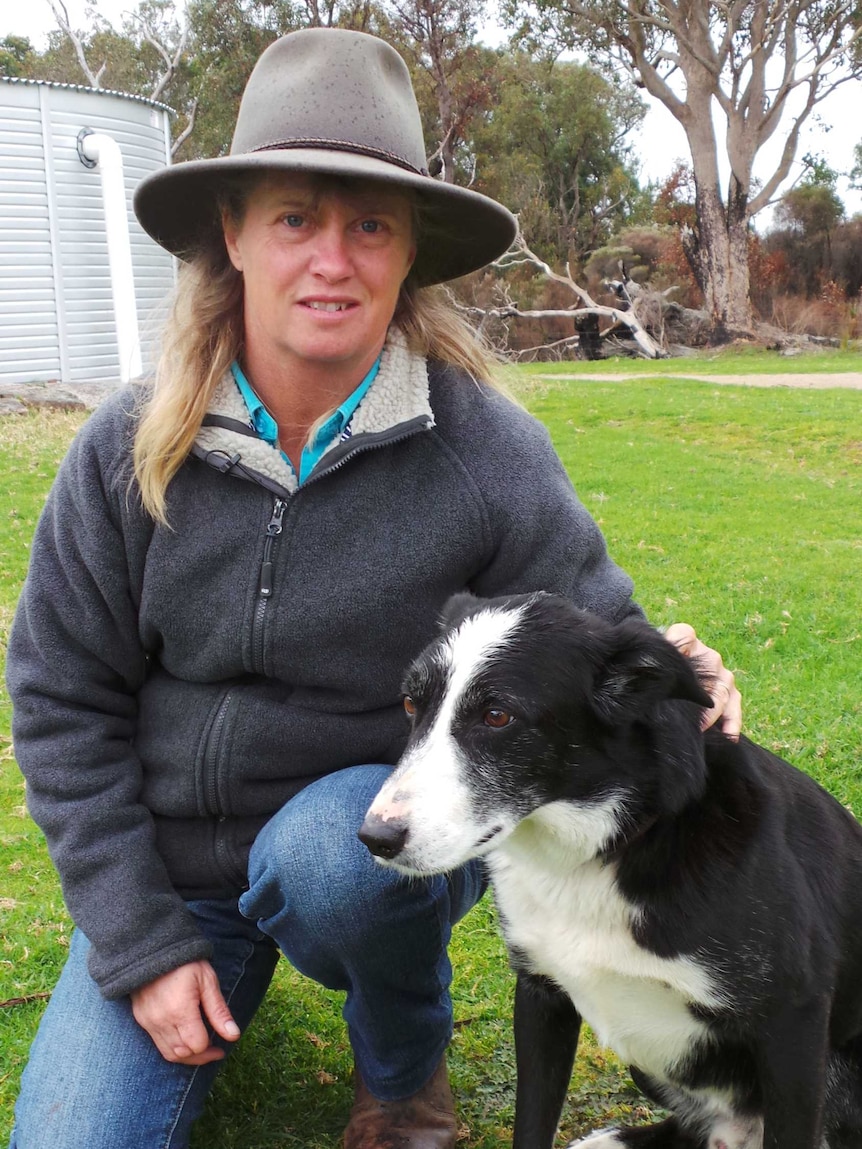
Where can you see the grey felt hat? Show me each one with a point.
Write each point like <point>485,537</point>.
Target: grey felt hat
<point>338,103</point>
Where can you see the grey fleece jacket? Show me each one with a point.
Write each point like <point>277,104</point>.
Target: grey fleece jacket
<point>173,687</point>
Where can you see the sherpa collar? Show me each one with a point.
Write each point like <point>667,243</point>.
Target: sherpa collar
<point>399,395</point>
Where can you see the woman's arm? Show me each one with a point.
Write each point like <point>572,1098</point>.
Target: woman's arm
<point>75,664</point>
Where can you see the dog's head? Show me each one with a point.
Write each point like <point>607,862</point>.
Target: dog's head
<point>525,702</point>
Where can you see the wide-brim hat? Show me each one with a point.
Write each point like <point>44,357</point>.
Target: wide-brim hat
<point>338,103</point>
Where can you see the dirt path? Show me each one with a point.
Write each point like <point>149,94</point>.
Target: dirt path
<point>15,398</point>
<point>851,379</point>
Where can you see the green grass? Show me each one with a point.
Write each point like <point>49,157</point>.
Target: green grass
<point>737,509</point>
<point>732,361</point>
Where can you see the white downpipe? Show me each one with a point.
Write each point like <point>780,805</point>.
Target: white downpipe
<point>105,152</point>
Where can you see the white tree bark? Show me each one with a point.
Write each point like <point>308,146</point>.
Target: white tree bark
<point>61,15</point>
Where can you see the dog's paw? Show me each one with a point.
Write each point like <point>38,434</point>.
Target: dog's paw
<point>737,1134</point>
<point>601,1139</point>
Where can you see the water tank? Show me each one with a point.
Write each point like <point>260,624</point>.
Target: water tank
<point>57,310</point>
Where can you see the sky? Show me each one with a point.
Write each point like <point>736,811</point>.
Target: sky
<point>660,141</point>
<point>829,132</point>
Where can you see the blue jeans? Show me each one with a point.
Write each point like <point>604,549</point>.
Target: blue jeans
<point>96,1081</point>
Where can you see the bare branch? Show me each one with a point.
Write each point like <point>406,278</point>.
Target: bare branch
<point>187,130</point>
<point>521,253</point>
<point>172,57</point>
<point>61,15</point>
<point>557,346</point>
<point>9,1002</point>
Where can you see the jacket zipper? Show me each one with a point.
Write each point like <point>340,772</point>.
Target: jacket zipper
<point>274,529</point>
<point>264,587</point>
<point>360,449</point>
<point>232,871</point>
<point>211,757</point>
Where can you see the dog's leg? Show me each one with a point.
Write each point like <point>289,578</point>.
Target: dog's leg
<point>546,1037</point>
<point>843,1114</point>
<point>791,1051</point>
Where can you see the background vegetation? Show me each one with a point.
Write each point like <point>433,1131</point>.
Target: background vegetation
<point>735,508</point>
<point>551,135</point>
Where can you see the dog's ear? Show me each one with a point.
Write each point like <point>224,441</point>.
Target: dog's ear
<point>457,608</point>
<point>642,670</point>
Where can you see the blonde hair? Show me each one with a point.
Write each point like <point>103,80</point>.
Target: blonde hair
<point>204,334</point>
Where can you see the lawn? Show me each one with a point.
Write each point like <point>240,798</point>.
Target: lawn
<point>734,360</point>
<point>734,508</point>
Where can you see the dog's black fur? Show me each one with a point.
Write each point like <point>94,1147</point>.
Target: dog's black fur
<point>732,856</point>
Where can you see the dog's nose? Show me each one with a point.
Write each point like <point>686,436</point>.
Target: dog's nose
<point>385,838</point>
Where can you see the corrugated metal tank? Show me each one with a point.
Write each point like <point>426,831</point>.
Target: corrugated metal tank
<point>56,306</point>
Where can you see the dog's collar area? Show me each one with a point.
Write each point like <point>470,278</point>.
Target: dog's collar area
<point>622,840</point>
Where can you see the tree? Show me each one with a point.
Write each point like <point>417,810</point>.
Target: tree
<point>750,60</point>
<point>810,209</point>
<point>16,56</point>
<point>552,146</point>
<point>76,41</point>
<point>805,221</point>
<point>437,38</point>
<point>856,170</point>
<point>847,256</point>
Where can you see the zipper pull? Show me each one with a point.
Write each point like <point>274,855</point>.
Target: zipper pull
<point>273,530</point>
<point>265,588</point>
<point>274,525</point>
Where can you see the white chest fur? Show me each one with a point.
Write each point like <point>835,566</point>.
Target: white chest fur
<point>562,910</point>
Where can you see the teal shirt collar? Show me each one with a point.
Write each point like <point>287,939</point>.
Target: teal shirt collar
<point>336,426</point>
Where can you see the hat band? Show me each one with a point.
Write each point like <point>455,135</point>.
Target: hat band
<point>343,146</point>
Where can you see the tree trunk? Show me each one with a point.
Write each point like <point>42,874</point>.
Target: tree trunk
<point>718,254</point>
<point>718,248</point>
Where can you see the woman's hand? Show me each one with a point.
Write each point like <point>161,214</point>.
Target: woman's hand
<point>726,699</point>
<point>173,1008</point>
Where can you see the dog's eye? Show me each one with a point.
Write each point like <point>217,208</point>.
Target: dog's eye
<point>409,706</point>
<point>497,718</point>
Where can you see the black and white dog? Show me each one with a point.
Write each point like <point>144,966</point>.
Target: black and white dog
<point>696,899</point>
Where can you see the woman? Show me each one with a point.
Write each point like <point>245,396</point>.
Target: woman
<point>226,585</point>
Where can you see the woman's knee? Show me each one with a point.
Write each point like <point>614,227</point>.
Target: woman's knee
<point>330,906</point>
<point>308,864</point>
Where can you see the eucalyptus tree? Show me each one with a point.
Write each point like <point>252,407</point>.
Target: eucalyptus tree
<point>758,68</point>
<point>555,146</point>
<point>16,56</point>
<point>451,74</point>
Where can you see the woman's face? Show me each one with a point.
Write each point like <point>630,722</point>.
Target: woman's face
<point>322,264</point>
